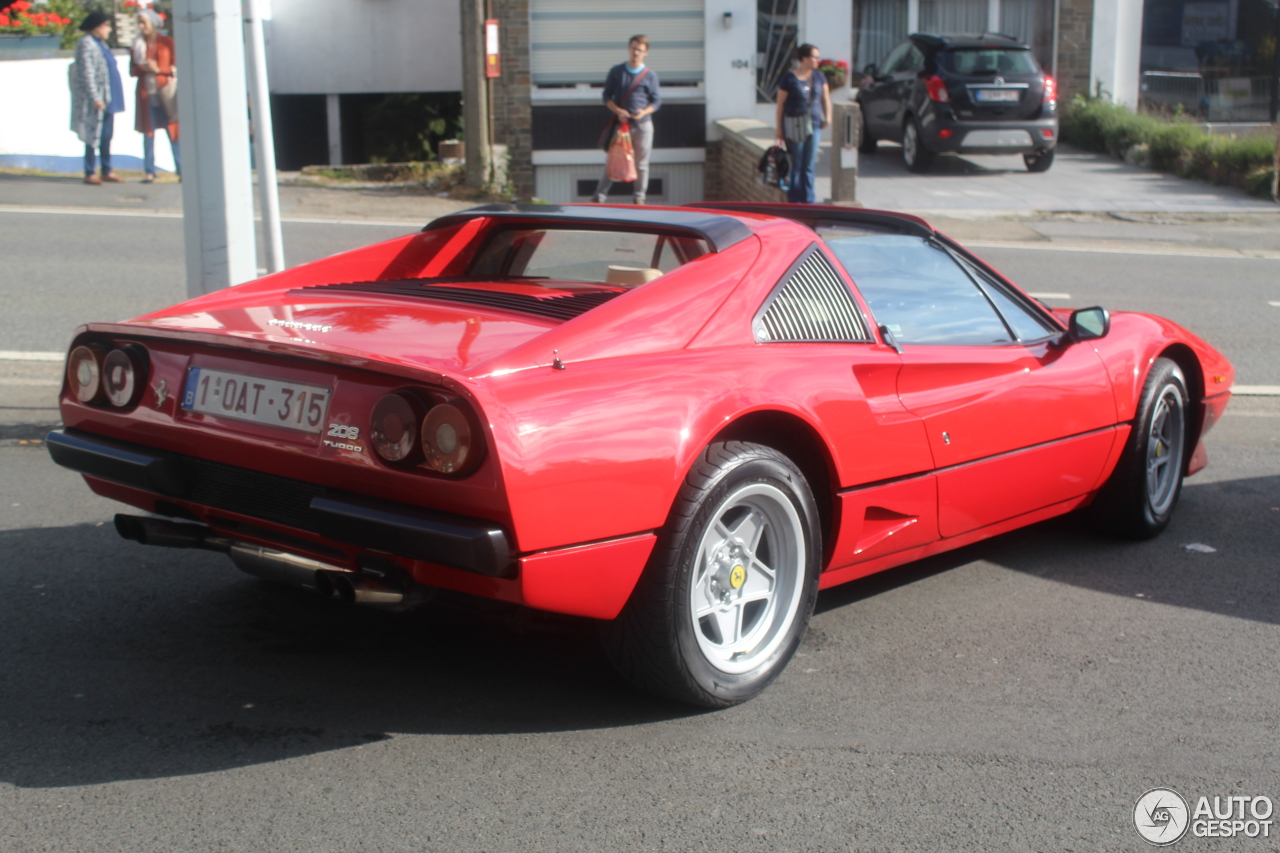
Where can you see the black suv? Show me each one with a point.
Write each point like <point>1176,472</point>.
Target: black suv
<point>960,95</point>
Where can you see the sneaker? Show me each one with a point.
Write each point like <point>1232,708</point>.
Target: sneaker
<point>600,199</point>
<point>149,179</point>
<point>93,179</point>
<point>110,178</point>
<point>638,199</point>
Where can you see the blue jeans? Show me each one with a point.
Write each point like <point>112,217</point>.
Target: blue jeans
<point>159,119</point>
<point>804,165</point>
<point>104,145</point>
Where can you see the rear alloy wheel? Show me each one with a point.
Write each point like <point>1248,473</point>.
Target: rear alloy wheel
<point>728,593</point>
<point>1040,161</point>
<point>914,154</point>
<point>1139,499</point>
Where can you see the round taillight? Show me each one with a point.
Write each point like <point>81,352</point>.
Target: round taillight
<point>84,373</point>
<point>122,375</point>
<point>447,440</point>
<point>394,428</point>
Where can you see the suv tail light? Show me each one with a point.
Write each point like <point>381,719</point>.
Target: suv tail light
<point>1050,90</point>
<point>937,89</point>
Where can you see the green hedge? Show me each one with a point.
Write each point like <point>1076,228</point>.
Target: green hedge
<point>1170,145</point>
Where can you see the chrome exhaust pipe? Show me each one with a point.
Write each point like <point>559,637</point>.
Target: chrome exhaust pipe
<point>169,534</point>
<point>283,567</point>
<point>354,589</point>
<point>379,582</point>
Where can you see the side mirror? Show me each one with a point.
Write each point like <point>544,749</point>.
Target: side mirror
<point>1088,324</point>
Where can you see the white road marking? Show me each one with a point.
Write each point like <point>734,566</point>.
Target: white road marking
<point>160,214</point>
<point>1048,295</point>
<point>14,355</point>
<point>1256,390</point>
<point>1187,252</point>
<point>1274,304</point>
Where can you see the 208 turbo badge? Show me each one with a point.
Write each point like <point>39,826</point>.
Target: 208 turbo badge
<point>351,433</point>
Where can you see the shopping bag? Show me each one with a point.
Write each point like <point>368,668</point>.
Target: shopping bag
<point>621,162</point>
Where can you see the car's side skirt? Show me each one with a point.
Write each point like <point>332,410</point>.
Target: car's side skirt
<point>870,567</point>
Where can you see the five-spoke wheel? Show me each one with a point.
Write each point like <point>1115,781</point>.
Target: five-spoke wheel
<point>731,584</point>
<point>1140,497</point>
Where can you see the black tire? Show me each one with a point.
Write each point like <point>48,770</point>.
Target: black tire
<point>916,157</point>
<point>1138,500</point>
<point>866,141</point>
<point>660,642</point>
<point>1040,161</point>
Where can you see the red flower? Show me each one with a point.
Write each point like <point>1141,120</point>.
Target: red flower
<point>4,20</point>
<point>20,6</point>
<point>161,15</point>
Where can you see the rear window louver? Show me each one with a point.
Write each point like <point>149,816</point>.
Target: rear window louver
<point>557,307</point>
<point>811,304</point>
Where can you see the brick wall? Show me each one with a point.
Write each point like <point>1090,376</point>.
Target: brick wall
<point>731,171</point>
<point>512,108</point>
<point>1075,46</point>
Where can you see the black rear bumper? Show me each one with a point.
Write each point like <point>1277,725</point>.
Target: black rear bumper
<point>462,542</point>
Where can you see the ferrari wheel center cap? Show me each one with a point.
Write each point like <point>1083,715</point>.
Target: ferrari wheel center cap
<point>737,577</point>
<point>1159,449</point>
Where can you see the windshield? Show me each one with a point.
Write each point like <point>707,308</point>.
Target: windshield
<point>979,62</point>
<point>622,258</point>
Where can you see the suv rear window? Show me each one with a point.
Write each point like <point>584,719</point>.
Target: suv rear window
<point>986,61</point>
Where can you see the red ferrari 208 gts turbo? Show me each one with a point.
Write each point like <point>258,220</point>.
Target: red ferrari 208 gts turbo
<point>682,422</point>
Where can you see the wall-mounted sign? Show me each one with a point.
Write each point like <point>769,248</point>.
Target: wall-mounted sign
<point>492,63</point>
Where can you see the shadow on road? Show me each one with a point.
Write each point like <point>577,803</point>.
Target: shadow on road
<point>122,662</point>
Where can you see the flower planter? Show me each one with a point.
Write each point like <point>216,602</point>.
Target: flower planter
<point>836,79</point>
<point>44,45</point>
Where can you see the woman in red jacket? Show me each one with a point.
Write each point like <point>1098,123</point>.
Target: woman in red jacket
<point>157,90</point>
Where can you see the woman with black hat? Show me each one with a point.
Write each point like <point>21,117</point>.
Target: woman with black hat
<point>97,94</point>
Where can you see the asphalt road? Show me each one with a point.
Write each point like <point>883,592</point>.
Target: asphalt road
<point>1019,694</point>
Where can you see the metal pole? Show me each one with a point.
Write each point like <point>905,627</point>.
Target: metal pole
<point>475,103</point>
<point>217,186</point>
<point>264,137</point>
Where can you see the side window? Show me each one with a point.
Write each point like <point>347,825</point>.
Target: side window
<point>893,62</point>
<point>1024,322</point>
<point>811,304</point>
<point>914,60</point>
<point>918,291</point>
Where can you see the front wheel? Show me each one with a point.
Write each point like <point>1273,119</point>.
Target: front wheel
<point>914,154</point>
<point>1139,499</point>
<point>1040,161</point>
<point>729,590</point>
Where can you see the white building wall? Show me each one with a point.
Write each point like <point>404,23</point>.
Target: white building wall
<point>36,90</point>
<point>829,25</point>
<point>681,182</point>
<point>730,77</point>
<point>1117,49</point>
<point>349,46</point>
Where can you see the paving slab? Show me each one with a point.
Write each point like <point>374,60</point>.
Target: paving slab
<point>1001,185</point>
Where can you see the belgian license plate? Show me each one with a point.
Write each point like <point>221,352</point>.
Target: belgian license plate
<point>998,95</point>
<point>291,405</point>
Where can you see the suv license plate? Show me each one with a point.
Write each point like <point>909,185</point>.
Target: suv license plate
<point>988,96</point>
<point>257,399</point>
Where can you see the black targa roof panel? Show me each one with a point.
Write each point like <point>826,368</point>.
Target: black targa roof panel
<point>718,230</point>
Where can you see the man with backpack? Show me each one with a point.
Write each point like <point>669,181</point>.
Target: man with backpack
<point>631,94</point>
